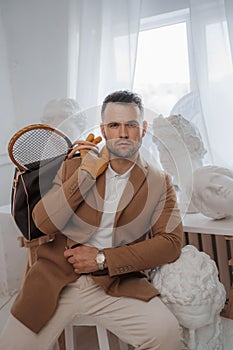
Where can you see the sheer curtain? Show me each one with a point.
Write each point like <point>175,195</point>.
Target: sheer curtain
<point>211,37</point>
<point>7,115</point>
<point>102,49</point>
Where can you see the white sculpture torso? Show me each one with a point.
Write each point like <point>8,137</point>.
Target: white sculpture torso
<point>191,289</point>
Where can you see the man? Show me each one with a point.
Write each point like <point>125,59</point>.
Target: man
<point>102,210</point>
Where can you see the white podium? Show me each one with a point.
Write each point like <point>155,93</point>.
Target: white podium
<point>198,223</point>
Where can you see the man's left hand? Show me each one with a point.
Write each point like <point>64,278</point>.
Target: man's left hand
<point>82,258</point>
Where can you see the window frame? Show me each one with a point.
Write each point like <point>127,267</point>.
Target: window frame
<point>172,18</point>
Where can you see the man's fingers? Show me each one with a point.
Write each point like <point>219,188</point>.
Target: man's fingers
<point>71,260</point>
<point>68,253</point>
<point>87,147</point>
<point>82,142</point>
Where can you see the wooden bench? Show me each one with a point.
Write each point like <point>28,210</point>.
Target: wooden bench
<point>215,238</point>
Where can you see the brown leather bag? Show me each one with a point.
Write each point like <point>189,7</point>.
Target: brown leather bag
<point>28,188</point>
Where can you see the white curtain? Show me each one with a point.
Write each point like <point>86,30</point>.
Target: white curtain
<point>211,37</point>
<point>104,33</point>
<point>7,116</point>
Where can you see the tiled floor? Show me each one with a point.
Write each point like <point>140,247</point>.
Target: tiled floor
<point>6,302</point>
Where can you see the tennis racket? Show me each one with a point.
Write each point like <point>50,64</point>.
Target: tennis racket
<point>36,145</point>
<point>38,151</point>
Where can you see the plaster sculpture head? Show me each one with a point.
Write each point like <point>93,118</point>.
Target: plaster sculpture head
<point>191,289</point>
<point>181,149</point>
<point>213,191</point>
<point>65,114</point>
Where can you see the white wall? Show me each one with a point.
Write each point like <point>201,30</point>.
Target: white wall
<point>36,37</point>
<point>33,68</point>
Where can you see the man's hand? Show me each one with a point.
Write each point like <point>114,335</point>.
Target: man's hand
<point>82,258</point>
<point>95,164</point>
<point>92,162</point>
<point>83,147</point>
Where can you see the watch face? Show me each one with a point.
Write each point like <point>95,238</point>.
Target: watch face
<point>100,258</point>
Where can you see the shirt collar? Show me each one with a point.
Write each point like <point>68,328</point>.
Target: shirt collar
<point>110,173</point>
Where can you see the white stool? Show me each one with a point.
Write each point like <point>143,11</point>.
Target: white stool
<point>71,342</point>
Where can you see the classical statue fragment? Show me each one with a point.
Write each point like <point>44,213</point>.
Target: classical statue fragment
<point>213,191</point>
<point>181,151</point>
<point>66,115</point>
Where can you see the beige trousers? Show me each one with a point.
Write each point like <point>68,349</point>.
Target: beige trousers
<point>145,325</point>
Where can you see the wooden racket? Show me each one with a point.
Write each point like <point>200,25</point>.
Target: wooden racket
<point>37,144</point>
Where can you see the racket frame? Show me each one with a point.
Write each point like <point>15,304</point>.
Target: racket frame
<point>26,129</point>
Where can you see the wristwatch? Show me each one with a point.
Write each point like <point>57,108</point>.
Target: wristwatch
<point>100,259</point>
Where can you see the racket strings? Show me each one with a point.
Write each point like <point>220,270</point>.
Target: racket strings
<point>38,145</point>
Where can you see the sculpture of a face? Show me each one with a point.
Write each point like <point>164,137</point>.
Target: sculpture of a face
<point>65,114</point>
<point>213,191</point>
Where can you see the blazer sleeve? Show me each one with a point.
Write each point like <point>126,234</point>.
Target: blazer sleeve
<point>56,207</point>
<point>164,246</point>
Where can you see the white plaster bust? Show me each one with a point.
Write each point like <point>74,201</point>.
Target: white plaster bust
<point>181,151</point>
<point>66,115</point>
<point>213,191</point>
<point>191,289</point>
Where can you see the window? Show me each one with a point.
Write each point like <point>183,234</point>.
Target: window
<point>162,74</point>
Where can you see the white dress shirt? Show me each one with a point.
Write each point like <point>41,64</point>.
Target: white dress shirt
<point>114,188</point>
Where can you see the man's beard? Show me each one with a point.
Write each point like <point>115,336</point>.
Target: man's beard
<point>123,152</point>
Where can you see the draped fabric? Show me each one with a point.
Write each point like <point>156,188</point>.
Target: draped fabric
<point>106,42</point>
<point>8,122</point>
<point>106,47</point>
<point>211,39</point>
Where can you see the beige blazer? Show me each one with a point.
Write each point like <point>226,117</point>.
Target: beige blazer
<point>73,206</point>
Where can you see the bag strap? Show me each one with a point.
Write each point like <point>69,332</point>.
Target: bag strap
<point>14,189</point>
<point>18,175</point>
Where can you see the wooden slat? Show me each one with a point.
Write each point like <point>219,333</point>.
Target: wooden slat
<point>207,245</point>
<point>222,262</point>
<point>194,239</point>
<point>185,239</point>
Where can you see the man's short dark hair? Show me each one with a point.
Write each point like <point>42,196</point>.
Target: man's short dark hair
<point>123,96</point>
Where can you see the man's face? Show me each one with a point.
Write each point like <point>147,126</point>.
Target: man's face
<point>123,129</point>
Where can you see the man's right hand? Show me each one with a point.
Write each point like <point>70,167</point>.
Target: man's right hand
<point>83,147</point>
<point>92,162</point>
<point>95,164</point>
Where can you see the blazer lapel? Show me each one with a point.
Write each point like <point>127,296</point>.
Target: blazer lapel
<point>99,193</point>
<point>136,179</point>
